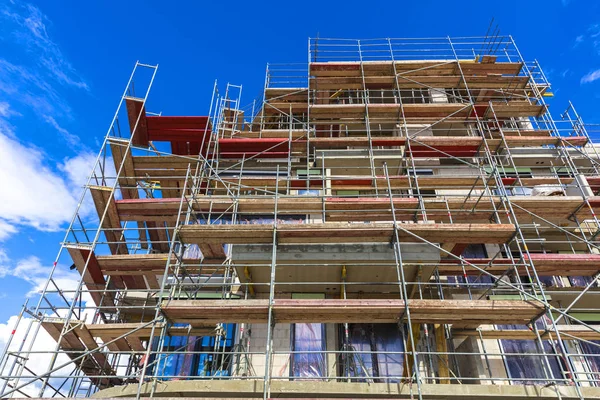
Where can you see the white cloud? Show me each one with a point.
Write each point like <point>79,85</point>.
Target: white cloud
<point>4,109</point>
<point>37,362</point>
<point>29,269</point>
<point>32,32</point>
<point>33,193</point>
<point>35,72</point>
<point>29,87</point>
<point>3,256</point>
<point>6,230</point>
<point>73,140</point>
<point>33,271</point>
<point>591,76</point>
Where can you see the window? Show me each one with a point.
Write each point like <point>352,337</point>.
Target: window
<point>308,344</point>
<point>478,280</point>
<point>506,174</point>
<point>377,353</point>
<point>173,364</point>
<point>524,369</point>
<point>211,363</point>
<point>547,280</point>
<point>415,96</point>
<point>581,281</point>
<point>456,95</point>
<point>591,349</point>
<point>308,341</point>
<point>197,355</point>
<point>424,192</point>
<point>592,360</point>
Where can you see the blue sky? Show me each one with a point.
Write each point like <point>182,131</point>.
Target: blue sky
<point>63,66</point>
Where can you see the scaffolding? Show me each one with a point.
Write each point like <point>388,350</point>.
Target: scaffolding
<point>394,217</point>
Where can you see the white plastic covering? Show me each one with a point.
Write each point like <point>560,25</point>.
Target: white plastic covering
<point>548,190</point>
<point>308,338</point>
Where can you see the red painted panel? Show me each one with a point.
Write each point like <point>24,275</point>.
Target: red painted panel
<point>254,154</point>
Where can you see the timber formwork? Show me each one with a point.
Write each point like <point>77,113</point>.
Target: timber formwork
<point>350,192</point>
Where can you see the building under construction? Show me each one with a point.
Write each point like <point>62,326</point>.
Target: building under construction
<point>394,218</point>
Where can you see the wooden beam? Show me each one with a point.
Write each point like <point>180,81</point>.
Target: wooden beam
<point>93,276</point>
<point>111,225</point>
<point>120,329</point>
<point>145,264</point>
<point>122,155</point>
<point>545,264</point>
<point>459,312</point>
<point>571,332</point>
<point>339,232</point>
<point>554,208</point>
<point>136,114</point>
<point>79,340</point>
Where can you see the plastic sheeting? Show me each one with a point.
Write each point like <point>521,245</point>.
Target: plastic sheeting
<point>193,355</point>
<point>178,365</point>
<point>308,338</point>
<point>581,281</point>
<point>593,360</point>
<point>548,190</point>
<point>524,369</point>
<point>551,281</point>
<point>480,280</point>
<point>379,353</point>
<point>193,252</point>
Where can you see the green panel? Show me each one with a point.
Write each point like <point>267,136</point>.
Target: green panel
<point>208,296</point>
<point>310,172</point>
<point>586,316</point>
<point>347,192</point>
<point>308,296</point>
<point>511,297</point>
<point>520,170</point>
<point>505,297</point>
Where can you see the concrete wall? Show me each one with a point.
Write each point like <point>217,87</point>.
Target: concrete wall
<point>281,344</point>
<point>476,366</point>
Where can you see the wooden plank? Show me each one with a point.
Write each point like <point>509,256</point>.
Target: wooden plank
<point>388,82</point>
<point>338,232</point>
<point>136,114</point>
<point>157,235</point>
<point>554,208</point>
<point>79,340</point>
<point>149,264</point>
<point>122,155</point>
<point>373,68</point>
<point>92,277</point>
<point>460,312</point>
<point>571,332</point>
<point>518,109</point>
<point>135,343</point>
<point>120,329</point>
<point>435,182</point>
<point>111,225</point>
<point>211,250</point>
<point>545,264</point>
<point>432,110</point>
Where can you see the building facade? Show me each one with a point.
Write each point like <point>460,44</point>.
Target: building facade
<point>393,218</point>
